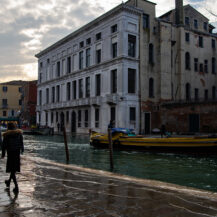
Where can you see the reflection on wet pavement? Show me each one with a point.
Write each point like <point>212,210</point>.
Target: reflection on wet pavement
<point>52,189</point>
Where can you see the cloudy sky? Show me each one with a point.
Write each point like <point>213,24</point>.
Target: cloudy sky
<point>28,26</point>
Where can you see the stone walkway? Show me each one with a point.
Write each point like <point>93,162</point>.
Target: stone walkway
<point>52,189</point>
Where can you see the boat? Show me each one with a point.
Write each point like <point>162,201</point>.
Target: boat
<point>124,138</point>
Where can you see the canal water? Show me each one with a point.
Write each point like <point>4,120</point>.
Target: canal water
<point>198,171</point>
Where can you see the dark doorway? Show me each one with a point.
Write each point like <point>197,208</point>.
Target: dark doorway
<point>147,123</point>
<point>73,122</point>
<point>194,123</point>
<point>62,121</point>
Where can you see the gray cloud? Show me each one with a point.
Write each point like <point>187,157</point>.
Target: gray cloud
<point>28,26</point>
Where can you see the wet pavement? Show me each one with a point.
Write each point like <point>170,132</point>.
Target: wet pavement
<point>53,189</point>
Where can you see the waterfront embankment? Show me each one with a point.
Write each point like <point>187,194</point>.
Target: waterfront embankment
<point>53,189</point>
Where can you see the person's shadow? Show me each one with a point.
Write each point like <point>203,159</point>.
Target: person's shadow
<point>12,199</point>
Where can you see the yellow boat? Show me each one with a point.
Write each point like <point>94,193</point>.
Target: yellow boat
<point>125,139</point>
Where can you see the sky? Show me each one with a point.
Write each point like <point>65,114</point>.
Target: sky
<point>29,26</point>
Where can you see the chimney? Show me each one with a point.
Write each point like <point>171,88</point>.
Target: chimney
<point>179,14</point>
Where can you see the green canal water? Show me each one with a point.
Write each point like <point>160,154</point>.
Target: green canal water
<point>198,171</point>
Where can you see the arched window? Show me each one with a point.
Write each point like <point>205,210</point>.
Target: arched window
<point>187,61</point>
<point>213,65</point>
<point>151,54</point>
<point>188,91</point>
<point>213,92</point>
<point>151,88</point>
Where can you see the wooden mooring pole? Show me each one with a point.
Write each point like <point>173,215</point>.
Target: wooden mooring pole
<point>110,148</point>
<point>66,145</point>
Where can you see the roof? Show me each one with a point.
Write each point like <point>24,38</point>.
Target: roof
<point>185,6</point>
<point>89,25</point>
<point>15,82</point>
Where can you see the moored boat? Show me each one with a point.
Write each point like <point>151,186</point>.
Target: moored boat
<point>126,139</point>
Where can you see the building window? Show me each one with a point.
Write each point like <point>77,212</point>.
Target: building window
<point>206,66</point>
<point>57,117</point>
<point>213,65</point>
<point>51,119</point>
<point>47,95</point>
<point>98,56</point>
<point>201,67</point>
<point>20,102</point>
<point>195,24</point>
<point>196,94</point>
<point>188,91</point>
<point>213,92</point>
<point>79,118</point>
<point>12,113</point>
<point>68,91</point>
<point>206,94</point>
<point>131,81</point>
<point>114,28</point>
<point>88,41</point>
<point>74,89</point>
<point>145,21</point>
<point>187,37</point>
<point>53,94</point>
<point>81,59</point>
<point>4,113</point>
<point>96,117</point>
<point>98,36</point>
<point>58,93</point>
<point>58,69</point>
<point>80,84</point>
<point>69,65</point>
<point>114,49</point>
<point>4,88</point>
<point>187,22</point>
<point>86,118</point>
<point>88,57</point>
<point>48,61</point>
<point>40,77</point>
<point>20,89</point>
<point>131,45</point>
<point>151,54</point>
<point>187,61</point>
<point>87,89</point>
<point>213,43</point>
<point>205,26</point>
<point>114,81</point>
<point>4,103</point>
<point>196,64</point>
<point>113,115</point>
<point>200,41</point>
<point>81,44</point>
<point>151,88</point>
<point>98,85</point>
<point>132,114</point>
<point>40,97</point>
<point>41,65</point>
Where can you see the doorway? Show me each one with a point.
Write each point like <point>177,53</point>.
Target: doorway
<point>147,122</point>
<point>194,123</point>
<point>73,122</point>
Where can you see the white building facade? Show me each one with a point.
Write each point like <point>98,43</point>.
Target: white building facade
<point>91,76</point>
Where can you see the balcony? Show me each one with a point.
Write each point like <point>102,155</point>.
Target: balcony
<point>112,99</point>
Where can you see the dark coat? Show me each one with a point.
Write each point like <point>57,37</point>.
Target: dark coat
<point>13,145</point>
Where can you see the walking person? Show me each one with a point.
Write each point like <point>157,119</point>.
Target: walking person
<point>13,145</point>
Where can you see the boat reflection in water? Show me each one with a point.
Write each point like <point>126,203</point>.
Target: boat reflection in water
<point>124,138</point>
